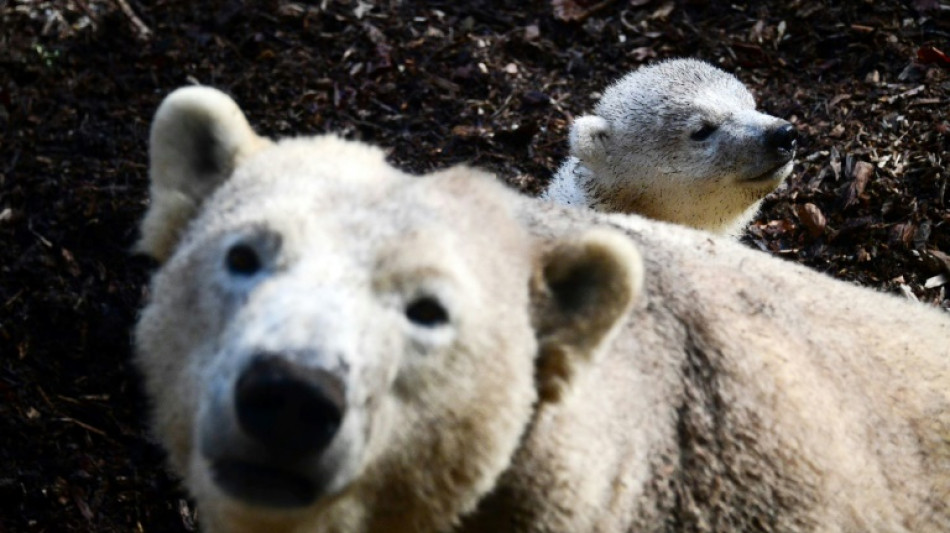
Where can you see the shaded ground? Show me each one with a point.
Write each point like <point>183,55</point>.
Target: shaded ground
<point>493,83</point>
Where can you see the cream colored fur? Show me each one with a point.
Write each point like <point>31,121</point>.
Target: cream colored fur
<point>594,373</point>
<point>635,154</point>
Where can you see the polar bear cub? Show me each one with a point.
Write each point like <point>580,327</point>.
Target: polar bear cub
<point>331,346</point>
<point>679,141</point>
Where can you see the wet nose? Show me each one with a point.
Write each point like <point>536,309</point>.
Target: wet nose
<point>784,137</point>
<point>289,409</point>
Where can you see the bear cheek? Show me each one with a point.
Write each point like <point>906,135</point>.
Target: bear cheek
<point>173,350</point>
<point>160,358</point>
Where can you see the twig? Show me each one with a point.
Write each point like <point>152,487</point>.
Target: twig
<point>140,27</point>
<point>87,427</point>
<point>89,13</point>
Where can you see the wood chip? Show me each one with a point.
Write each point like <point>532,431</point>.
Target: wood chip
<point>860,174</point>
<point>577,10</point>
<point>936,281</point>
<point>943,258</point>
<point>812,218</point>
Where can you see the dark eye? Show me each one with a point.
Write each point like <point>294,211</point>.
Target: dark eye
<point>703,133</point>
<point>427,311</point>
<point>242,260</point>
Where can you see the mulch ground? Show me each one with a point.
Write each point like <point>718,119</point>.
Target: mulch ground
<point>490,83</point>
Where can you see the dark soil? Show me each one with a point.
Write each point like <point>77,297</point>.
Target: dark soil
<point>491,83</point>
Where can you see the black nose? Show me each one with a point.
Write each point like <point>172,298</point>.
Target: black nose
<point>289,409</point>
<point>785,137</point>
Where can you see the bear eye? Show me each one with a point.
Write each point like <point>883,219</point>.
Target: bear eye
<point>703,133</point>
<point>427,311</point>
<point>242,260</point>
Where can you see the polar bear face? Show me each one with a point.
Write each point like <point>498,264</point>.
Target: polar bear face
<point>335,345</point>
<point>682,141</point>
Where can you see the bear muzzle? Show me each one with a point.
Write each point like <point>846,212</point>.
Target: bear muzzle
<point>290,409</point>
<point>783,139</point>
<point>288,414</point>
<point>779,143</point>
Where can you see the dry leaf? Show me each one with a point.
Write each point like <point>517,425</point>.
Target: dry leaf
<point>663,11</point>
<point>861,174</point>
<point>812,218</point>
<point>902,234</point>
<point>577,10</point>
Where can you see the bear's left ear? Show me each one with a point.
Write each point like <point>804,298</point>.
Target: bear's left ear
<point>199,135</point>
<point>583,287</point>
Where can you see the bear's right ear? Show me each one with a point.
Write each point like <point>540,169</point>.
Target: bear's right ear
<point>582,289</point>
<point>587,137</point>
<point>199,135</point>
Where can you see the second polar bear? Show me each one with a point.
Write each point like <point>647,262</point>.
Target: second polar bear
<point>679,141</point>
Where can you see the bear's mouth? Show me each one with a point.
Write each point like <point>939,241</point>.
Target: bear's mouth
<point>776,173</point>
<point>263,485</point>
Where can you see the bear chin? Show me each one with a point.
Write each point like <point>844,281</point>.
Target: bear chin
<point>263,485</point>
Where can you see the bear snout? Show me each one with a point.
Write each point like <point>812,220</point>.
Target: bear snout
<point>783,140</point>
<point>292,411</point>
<point>276,452</point>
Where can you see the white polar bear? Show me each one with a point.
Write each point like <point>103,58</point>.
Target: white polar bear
<point>679,141</point>
<point>332,346</point>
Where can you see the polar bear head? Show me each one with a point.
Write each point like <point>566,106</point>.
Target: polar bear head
<point>333,345</point>
<point>682,141</point>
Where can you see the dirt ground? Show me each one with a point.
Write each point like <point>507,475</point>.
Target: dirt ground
<point>487,82</point>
